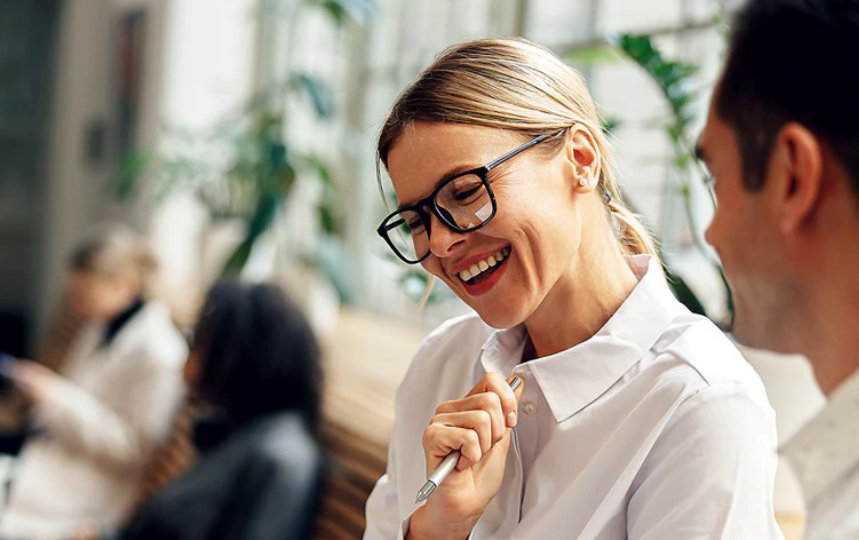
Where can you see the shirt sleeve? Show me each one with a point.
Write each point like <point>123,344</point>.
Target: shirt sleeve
<point>115,436</point>
<point>710,474</point>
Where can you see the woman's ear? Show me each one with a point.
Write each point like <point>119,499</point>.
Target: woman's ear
<point>583,157</point>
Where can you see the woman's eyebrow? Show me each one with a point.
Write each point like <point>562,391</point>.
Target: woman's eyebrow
<point>457,170</point>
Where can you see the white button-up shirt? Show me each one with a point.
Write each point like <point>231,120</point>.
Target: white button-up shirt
<point>655,428</point>
<point>824,455</point>
<point>99,428</point>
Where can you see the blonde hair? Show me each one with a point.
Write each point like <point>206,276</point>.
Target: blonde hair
<point>516,85</point>
<point>110,249</point>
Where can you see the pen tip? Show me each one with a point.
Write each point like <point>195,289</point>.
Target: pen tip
<point>425,491</point>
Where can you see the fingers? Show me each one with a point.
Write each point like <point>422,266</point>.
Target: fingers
<point>488,403</point>
<point>497,384</point>
<point>25,372</point>
<point>479,421</point>
<point>440,440</point>
<point>473,424</point>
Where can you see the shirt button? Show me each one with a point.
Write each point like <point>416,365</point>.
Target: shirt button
<point>528,407</point>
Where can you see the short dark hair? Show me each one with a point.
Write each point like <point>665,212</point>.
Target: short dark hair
<point>258,354</point>
<point>792,61</point>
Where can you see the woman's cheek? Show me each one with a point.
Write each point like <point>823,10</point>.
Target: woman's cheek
<point>432,265</point>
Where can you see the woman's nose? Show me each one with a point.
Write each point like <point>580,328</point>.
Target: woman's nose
<point>443,240</point>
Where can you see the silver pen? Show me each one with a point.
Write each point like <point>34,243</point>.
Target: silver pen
<point>446,467</point>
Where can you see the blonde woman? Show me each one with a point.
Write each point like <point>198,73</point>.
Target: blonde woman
<point>98,419</point>
<point>636,419</point>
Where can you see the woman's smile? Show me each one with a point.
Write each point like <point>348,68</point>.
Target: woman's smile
<point>479,274</point>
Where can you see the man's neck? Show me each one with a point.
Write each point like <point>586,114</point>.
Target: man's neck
<point>831,342</point>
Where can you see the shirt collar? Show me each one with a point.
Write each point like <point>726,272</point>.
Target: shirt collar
<point>572,379</point>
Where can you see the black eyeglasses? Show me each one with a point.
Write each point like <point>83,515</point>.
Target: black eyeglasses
<point>463,202</point>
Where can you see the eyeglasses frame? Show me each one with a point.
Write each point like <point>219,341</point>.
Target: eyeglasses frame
<point>431,202</point>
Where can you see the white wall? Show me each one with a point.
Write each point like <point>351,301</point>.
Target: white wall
<point>207,76</point>
<point>81,96</point>
<point>76,193</point>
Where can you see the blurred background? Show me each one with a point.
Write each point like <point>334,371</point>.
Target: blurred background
<point>238,135</point>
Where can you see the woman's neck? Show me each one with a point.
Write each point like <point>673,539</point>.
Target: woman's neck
<point>598,281</point>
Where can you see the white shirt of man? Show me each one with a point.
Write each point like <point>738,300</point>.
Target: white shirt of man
<point>653,428</point>
<point>824,456</point>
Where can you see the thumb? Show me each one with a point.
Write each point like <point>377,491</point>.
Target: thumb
<point>520,386</point>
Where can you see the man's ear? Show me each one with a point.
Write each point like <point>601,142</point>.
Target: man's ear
<point>795,176</point>
<point>583,156</point>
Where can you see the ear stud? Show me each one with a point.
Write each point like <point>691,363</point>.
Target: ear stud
<point>583,182</point>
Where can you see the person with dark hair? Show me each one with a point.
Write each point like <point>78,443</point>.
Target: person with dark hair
<point>255,364</point>
<point>782,142</point>
<point>98,419</point>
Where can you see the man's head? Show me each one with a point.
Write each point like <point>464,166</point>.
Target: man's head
<point>782,141</point>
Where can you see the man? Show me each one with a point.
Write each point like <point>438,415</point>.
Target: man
<point>782,142</point>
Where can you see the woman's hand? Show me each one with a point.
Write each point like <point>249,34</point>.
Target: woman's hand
<point>477,425</point>
<point>35,381</point>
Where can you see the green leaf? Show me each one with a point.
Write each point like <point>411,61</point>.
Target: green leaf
<point>610,124</point>
<point>262,217</point>
<point>326,219</point>
<point>320,168</point>
<point>319,93</point>
<point>684,293</point>
<point>276,156</point>
<point>131,168</point>
<point>358,11</point>
<point>238,259</point>
<point>331,259</point>
<point>264,213</point>
<point>603,52</point>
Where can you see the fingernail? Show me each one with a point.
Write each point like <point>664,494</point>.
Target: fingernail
<point>511,419</point>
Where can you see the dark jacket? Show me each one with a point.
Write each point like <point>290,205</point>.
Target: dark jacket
<point>259,483</point>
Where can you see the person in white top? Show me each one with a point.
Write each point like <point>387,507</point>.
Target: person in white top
<point>781,142</point>
<point>99,419</point>
<point>636,419</point>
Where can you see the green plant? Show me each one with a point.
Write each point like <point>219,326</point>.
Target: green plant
<point>246,166</point>
<point>674,80</point>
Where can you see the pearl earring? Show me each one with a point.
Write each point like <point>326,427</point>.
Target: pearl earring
<point>583,182</point>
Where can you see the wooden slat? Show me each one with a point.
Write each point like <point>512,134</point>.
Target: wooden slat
<point>365,360</point>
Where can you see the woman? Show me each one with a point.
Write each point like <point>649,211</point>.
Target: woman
<point>255,362</point>
<point>636,419</point>
<point>98,421</point>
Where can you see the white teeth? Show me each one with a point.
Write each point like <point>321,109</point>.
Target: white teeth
<point>481,266</point>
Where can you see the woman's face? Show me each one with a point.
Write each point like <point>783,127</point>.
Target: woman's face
<point>97,297</point>
<point>536,231</point>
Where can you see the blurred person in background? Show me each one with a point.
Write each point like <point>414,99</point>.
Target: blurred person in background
<point>636,419</point>
<point>97,421</point>
<point>782,143</point>
<point>255,363</point>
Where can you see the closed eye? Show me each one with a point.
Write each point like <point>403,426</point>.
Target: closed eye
<point>415,226</point>
<point>466,194</point>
